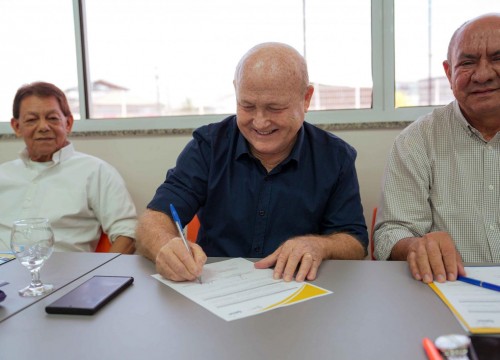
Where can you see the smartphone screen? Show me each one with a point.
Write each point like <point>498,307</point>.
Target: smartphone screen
<point>486,347</point>
<point>89,297</point>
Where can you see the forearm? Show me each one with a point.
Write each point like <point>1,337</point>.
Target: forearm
<point>154,230</point>
<point>400,249</point>
<point>343,247</point>
<point>123,245</point>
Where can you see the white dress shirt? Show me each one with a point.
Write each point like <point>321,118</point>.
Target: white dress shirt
<point>78,193</point>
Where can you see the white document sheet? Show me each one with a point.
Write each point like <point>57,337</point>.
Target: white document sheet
<point>234,289</point>
<point>477,308</point>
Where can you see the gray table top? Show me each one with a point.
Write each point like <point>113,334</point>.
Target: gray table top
<point>376,311</point>
<point>59,270</point>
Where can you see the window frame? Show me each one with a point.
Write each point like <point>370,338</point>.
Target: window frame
<point>382,114</point>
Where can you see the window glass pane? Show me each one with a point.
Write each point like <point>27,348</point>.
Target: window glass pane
<point>338,52</point>
<point>38,44</point>
<point>178,57</point>
<point>422,32</point>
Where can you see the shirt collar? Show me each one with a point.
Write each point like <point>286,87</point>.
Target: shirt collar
<point>242,147</point>
<point>59,156</point>
<point>471,130</point>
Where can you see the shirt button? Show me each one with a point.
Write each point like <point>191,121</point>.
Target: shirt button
<point>491,187</point>
<point>262,212</point>
<point>490,147</point>
<point>257,249</point>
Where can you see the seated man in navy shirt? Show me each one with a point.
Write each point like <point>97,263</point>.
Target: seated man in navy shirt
<point>264,183</point>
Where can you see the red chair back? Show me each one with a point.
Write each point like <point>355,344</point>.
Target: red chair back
<point>192,229</point>
<point>372,231</point>
<point>104,244</point>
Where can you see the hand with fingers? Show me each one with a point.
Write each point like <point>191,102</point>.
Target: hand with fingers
<point>434,257</point>
<point>174,262</point>
<point>301,255</point>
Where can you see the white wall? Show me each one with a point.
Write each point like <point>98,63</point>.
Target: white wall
<point>144,160</point>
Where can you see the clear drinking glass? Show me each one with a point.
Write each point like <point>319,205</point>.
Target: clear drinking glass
<point>32,242</point>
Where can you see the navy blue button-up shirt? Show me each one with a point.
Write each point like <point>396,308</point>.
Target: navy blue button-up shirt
<point>245,211</point>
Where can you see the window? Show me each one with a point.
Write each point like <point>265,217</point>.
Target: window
<point>338,52</point>
<point>178,57</point>
<point>169,64</point>
<point>422,34</point>
<point>38,44</point>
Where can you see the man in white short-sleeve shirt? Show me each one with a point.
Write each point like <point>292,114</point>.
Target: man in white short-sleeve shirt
<point>80,195</point>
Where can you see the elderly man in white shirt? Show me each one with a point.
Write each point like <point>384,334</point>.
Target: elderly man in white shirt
<point>80,195</point>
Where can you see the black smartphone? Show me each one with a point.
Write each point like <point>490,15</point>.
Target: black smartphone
<point>485,347</point>
<point>89,297</point>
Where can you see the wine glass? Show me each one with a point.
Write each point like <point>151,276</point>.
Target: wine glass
<point>32,241</point>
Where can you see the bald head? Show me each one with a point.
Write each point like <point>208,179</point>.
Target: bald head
<point>473,70</point>
<point>277,61</point>
<point>272,96</point>
<point>480,22</point>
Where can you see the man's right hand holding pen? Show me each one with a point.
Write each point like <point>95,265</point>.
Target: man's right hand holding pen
<point>174,262</point>
<point>178,224</point>
<point>166,248</point>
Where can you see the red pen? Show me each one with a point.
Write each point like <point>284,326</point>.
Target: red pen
<point>431,350</point>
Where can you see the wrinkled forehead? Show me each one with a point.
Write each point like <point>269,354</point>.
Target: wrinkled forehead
<point>270,78</point>
<point>479,35</point>
<point>275,85</point>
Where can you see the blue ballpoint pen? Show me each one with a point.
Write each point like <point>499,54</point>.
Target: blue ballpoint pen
<point>177,221</point>
<point>480,283</point>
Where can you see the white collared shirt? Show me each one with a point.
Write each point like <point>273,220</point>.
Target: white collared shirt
<point>442,175</point>
<point>77,192</point>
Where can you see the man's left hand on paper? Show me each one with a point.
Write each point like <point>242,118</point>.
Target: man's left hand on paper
<point>302,254</point>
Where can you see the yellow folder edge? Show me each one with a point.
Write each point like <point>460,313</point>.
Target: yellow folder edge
<point>305,292</point>
<point>472,330</point>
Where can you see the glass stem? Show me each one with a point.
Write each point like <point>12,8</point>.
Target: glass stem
<point>35,278</point>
